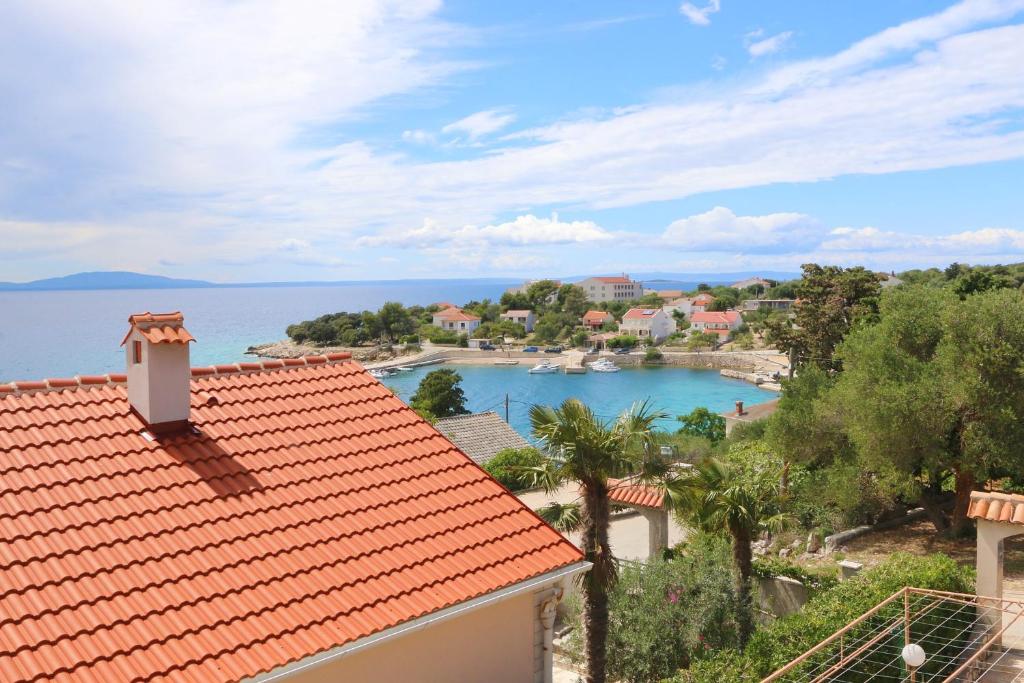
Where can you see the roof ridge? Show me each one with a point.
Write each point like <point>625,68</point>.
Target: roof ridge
<point>21,387</point>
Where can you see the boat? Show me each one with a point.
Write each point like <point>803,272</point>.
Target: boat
<point>405,368</point>
<point>381,373</point>
<point>604,365</point>
<point>543,368</point>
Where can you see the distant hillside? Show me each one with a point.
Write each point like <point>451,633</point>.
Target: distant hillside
<point>103,280</point>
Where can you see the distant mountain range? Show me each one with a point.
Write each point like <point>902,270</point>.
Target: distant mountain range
<point>119,279</point>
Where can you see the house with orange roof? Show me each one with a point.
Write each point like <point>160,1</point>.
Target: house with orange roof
<point>722,323</point>
<point>648,324</point>
<point>688,305</point>
<point>276,520</point>
<point>617,288</point>
<point>454,319</point>
<point>594,320</point>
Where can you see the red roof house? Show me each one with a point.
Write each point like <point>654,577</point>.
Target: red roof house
<point>717,322</point>
<point>595,320</point>
<point>284,517</point>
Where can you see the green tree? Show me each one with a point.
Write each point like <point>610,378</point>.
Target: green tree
<point>572,300</point>
<point>832,301</point>
<point>701,340</point>
<point>512,466</point>
<point>936,389</point>
<point>439,394</point>
<point>704,423</point>
<point>720,498</point>
<point>540,293</point>
<point>581,448</point>
<point>394,321</point>
<point>547,329</point>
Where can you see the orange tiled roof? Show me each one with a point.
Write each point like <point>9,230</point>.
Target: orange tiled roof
<point>596,316</point>
<point>454,313</point>
<point>308,508</point>
<point>617,280</point>
<point>160,328</point>
<point>641,495</point>
<point>715,317</point>
<point>641,313</point>
<point>997,507</point>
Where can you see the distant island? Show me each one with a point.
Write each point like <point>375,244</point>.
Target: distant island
<point>120,279</point>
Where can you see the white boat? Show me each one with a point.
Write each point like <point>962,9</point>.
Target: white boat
<point>604,365</point>
<point>542,368</point>
<point>405,368</point>
<point>381,373</point>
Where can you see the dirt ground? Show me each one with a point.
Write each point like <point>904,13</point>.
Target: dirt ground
<point>920,538</point>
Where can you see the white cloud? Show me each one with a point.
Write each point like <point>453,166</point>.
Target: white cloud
<point>770,45</point>
<point>418,136</point>
<point>522,231</point>
<point>982,242</point>
<point>481,123</point>
<point>700,15</point>
<point>722,230</point>
<point>106,113</point>
<point>718,62</point>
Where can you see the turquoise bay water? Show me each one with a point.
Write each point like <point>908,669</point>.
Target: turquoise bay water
<point>673,390</point>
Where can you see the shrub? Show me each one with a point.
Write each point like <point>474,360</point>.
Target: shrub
<point>506,466</point>
<point>665,614</point>
<point>444,337</point>
<point>783,640</point>
<point>439,395</point>
<point>623,341</point>
<point>812,579</point>
<point>463,340</point>
<point>702,422</point>
<point>652,355</point>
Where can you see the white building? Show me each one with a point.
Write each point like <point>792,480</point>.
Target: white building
<point>722,323</point>
<point>750,282</point>
<point>455,319</point>
<point>525,318</point>
<point>647,323</point>
<point>688,305</point>
<point>617,288</point>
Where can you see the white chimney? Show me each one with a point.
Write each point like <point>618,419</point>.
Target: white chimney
<point>158,369</point>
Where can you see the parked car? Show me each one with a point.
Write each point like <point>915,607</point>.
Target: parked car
<point>623,351</point>
<point>553,349</point>
<point>487,347</point>
<point>531,349</point>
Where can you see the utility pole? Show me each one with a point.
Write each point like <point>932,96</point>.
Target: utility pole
<point>506,407</point>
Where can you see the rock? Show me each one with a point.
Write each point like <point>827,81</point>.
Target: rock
<point>813,542</point>
<point>784,552</point>
<point>795,544</point>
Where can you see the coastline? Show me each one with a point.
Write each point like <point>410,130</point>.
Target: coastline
<point>755,367</point>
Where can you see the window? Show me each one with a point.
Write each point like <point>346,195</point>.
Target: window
<point>136,352</point>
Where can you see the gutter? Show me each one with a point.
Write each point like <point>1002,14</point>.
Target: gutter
<point>420,623</point>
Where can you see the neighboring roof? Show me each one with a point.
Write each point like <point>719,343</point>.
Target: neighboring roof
<point>669,293</point>
<point>444,304</point>
<point>481,435</point>
<point>704,297</point>
<point>615,280</point>
<point>518,314</point>
<point>596,316</point>
<point>715,317</point>
<point>454,313</point>
<point>641,313</point>
<point>997,507</point>
<point>750,281</point>
<point>160,328</point>
<point>758,411</point>
<point>637,495</point>
<point>308,508</point>
<point>602,336</point>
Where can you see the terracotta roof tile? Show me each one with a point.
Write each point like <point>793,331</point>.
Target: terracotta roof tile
<point>309,508</point>
<point>997,507</point>
<point>639,495</point>
<point>159,328</point>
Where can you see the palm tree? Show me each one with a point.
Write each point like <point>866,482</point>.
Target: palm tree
<point>580,447</point>
<point>719,498</point>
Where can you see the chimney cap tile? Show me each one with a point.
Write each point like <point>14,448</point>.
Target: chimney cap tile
<point>159,328</point>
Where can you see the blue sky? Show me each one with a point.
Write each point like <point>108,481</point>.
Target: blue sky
<point>267,140</point>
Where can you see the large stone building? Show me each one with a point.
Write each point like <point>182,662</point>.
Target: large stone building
<point>617,288</point>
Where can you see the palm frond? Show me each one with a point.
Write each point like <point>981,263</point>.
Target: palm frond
<point>565,517</point>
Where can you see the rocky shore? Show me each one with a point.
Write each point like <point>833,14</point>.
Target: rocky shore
<point>289,349</point>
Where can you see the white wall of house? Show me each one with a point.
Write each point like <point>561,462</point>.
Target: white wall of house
<point>455,325</point>
<point>656,327</point>
<point>526,321</point>
<point>598,290</point>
